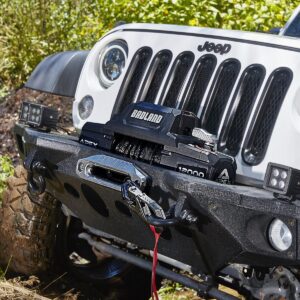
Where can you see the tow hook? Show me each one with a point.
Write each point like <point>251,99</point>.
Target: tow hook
<point>36,181</point>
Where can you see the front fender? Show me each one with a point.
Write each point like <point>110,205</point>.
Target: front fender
<point>58,73</point>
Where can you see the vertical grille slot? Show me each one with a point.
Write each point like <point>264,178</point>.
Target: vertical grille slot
<point>203,71</point>
<point>266,115</point>
<point>155,76</point>
<point>177,78</point>
<point>133,78</point>
<point>220,93</point>
<point>240,109</point>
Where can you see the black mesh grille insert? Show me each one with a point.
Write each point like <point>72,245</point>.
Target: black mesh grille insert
<point>266,115</point>
<point>221,91</point>
<point>239,112</point>
<point>156,75</point>
<point>133,78</point>
<point>177,77</point>
<point>202,75</point>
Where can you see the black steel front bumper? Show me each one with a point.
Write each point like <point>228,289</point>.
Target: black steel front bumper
<point>232,220</point>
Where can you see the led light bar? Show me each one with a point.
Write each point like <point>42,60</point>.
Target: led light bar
<point>282,180</point>
<point>37,115</point>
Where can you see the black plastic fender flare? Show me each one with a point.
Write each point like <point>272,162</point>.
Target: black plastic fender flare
<point>58,73</point>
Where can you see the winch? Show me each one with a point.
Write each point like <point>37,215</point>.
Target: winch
<point>162,136</point>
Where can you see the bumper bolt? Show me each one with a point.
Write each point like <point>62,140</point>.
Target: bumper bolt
<point>80,167</point>
<point>291,222</point>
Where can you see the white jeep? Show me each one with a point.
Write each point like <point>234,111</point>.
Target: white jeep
<point>189,131</point>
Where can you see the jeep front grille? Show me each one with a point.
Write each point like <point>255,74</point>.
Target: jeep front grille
<point>266,115</point>
<point>155,76</point>
<point>177,77</point>
<point>220,93</point>
<point>223,97</point>
<point>201,76</point>
<point>240,109</point>
<point>133,78</point>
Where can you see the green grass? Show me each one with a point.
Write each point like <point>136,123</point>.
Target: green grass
<point>175,291</point>
<point>6,170</point>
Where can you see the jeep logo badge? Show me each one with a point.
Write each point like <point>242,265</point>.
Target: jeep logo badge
<point>217,48</point>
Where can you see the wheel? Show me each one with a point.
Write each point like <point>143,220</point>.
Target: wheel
<point>27,227</point>
<point>115,275</point>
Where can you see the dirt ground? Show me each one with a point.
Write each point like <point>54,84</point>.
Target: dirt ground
<point>55,286</point>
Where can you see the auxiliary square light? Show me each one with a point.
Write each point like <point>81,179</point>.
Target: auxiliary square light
<point>37,115</point>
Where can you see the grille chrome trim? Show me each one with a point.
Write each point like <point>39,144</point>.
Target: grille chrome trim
<point>219,94</point>
<point>198,83</point>
<point>264,119</point>
<point>236,120</point>
<point>155,76</point>
<point>176,78</point>
<point>133,78</point>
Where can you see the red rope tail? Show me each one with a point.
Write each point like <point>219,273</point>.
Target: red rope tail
<point>154,264</point>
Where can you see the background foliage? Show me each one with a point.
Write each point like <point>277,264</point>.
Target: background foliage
<point>33,29</point>
<point>6,170</point>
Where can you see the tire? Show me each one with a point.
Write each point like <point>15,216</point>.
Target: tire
<point>27,227</point>
<point>112,275</point>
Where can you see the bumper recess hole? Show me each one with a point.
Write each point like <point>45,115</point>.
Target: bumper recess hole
<point>20,144</point>
<point>184,231</point>
<point>94,200</point>
<point>166,234</point>
<point>123,209</point>
<point>71,190</point>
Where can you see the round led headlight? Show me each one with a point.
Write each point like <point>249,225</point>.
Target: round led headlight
<point>85,107</point>
<point>280,235</point>
<point>112,62</point>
